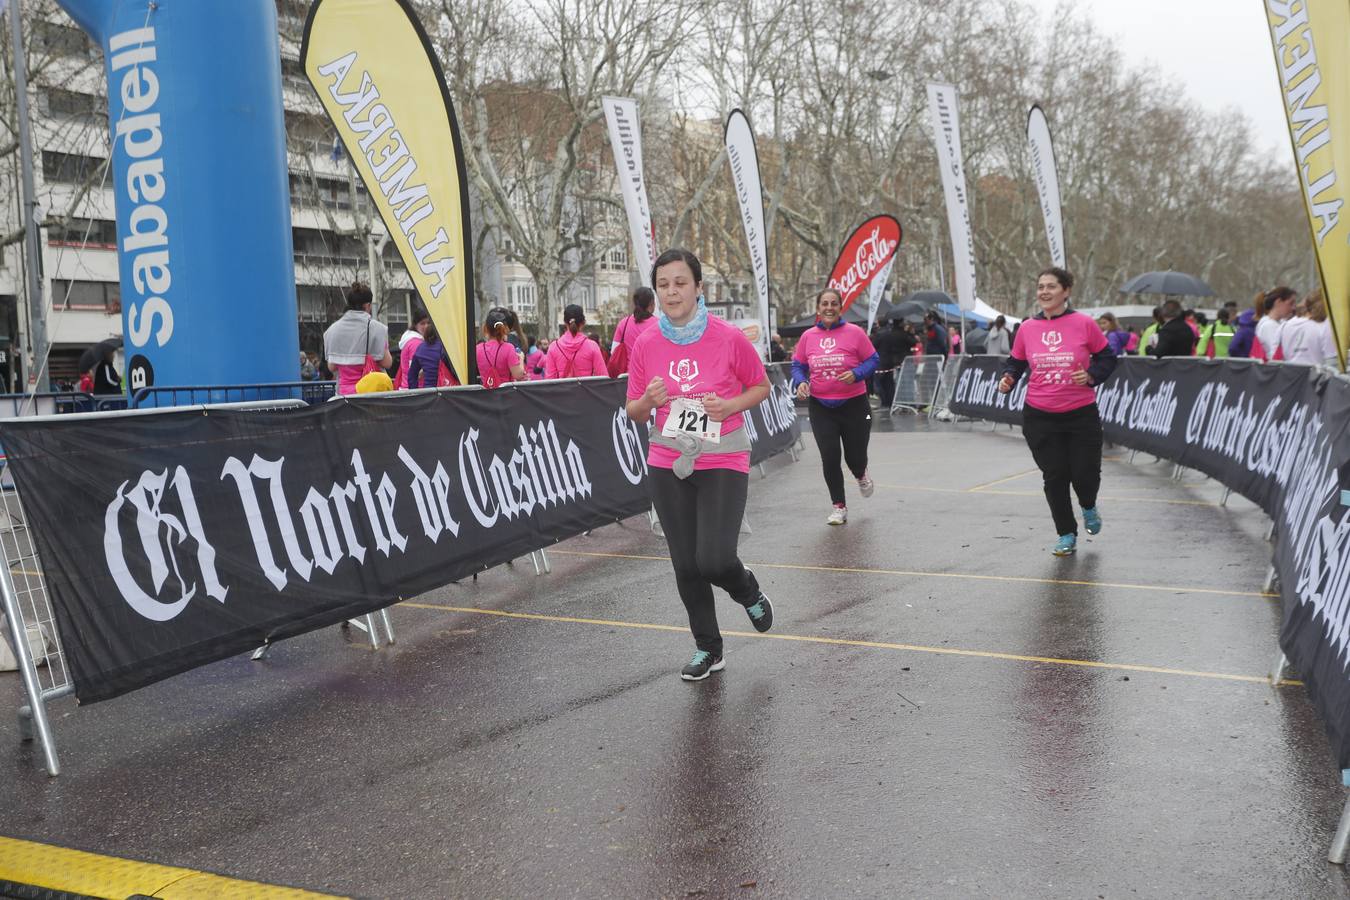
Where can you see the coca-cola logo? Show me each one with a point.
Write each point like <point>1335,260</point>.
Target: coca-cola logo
<point>865,255</point>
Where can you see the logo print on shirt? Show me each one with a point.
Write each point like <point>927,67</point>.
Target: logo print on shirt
<point>1052,339</point>
<point>685,372</point>
<point>827,344</point>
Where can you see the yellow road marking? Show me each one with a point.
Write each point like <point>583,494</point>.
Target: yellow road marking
<point>845,642</point>
<point>983,490</point>
<point>1171,589</point>
<point>980,487</point>
<point>93,874</point>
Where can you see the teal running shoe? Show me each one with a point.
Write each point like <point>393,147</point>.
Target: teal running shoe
<point>1092,519</point>
<point>1066,545</point>
<point>702,665</point>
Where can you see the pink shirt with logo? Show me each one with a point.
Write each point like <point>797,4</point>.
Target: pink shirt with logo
<point>829,354</point>
<point>722,362</point>
<point>1055,349</point>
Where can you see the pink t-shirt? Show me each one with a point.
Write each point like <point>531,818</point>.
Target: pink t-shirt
<point>495,359</point>
<point>574,356</point>
<point>1055,349</point>
<point>722,362</point>
<point>829,354</point>
<point>630,330</point>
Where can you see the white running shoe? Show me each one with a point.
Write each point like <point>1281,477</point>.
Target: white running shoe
<point>838,516</point>
<point>865,485</point>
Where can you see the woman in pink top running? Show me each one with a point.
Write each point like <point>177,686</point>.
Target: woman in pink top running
<point>830,366</point>
<point>498,359</point>
<point>1067,356</point>
<point>699,374</point>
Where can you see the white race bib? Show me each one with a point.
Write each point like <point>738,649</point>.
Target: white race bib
<point>688,416</point>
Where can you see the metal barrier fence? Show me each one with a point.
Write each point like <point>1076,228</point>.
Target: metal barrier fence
<point>308,392</point>
<point>916,383</point>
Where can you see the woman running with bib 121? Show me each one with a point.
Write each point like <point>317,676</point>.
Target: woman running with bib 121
<point>1067,356</point>
<point>699,375</point>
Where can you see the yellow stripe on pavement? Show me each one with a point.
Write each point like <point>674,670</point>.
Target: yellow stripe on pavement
<point>845,642</point>
<point>96,875</point>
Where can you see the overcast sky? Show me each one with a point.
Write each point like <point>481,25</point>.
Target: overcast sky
<point>1217,50</point>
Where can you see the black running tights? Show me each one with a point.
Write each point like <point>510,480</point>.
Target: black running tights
<point>1068,449</point>
<point>701,516</point>
<point>850,425</point>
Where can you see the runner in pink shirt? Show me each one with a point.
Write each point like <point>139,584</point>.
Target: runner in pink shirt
<point>1067,356</point>
<point>830,366</point>
<point>573,354</point>
<point>698,374</point>
<point>498,359</point>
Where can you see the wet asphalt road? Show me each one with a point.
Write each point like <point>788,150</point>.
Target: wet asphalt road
<point>920,722</point>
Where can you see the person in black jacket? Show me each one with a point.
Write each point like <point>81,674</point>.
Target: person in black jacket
<point>894,345</point>
<point>1175,337</point>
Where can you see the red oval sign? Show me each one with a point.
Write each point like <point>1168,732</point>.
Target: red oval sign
<point>865,254</point>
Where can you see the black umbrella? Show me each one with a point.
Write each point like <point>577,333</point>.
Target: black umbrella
<point>929,299</point>
<point>1175,283</point>
<point>908,310</point>
<point>95,354</point>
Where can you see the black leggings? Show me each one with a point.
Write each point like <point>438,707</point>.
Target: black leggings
<point>1068,448</point>
<point>701,516</point>
<point>849,424</point>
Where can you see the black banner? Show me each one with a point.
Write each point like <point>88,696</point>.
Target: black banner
<point>175,539</point>
<point>772,426</point>
<point>1277,434</point>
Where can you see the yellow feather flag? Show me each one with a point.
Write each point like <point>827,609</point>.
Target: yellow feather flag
<point>375,72</point>
<point>1311,39</point>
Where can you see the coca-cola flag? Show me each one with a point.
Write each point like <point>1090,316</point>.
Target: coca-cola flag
<point>865,255</point>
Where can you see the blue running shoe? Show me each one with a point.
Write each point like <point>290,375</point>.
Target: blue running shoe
<point>1092,519</point>
<point>702,665</point>
<point>1066,545</point>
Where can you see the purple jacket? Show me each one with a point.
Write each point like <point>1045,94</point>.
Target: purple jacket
<point>1241,345</point>
<point>425,368</point>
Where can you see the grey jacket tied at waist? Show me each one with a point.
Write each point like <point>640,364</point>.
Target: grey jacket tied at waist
<point>691,447</point>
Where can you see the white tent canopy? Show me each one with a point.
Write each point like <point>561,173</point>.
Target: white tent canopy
<point>984,309</point>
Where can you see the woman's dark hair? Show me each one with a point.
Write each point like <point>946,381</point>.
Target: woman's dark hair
<point>1223,315</point>
<point>573,314</point>
<point>829,290</point>
<point>432,336</point>
<point>677,255</point>
<point>497,325</point>
<point>644,301</point>
<point>358,295</point>
<point>1063,276</point>
<point>1276,295</point>
<point>419,315</point>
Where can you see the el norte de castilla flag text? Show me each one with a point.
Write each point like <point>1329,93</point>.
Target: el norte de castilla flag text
<point>374,70</point>
<point>1312,55</point>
